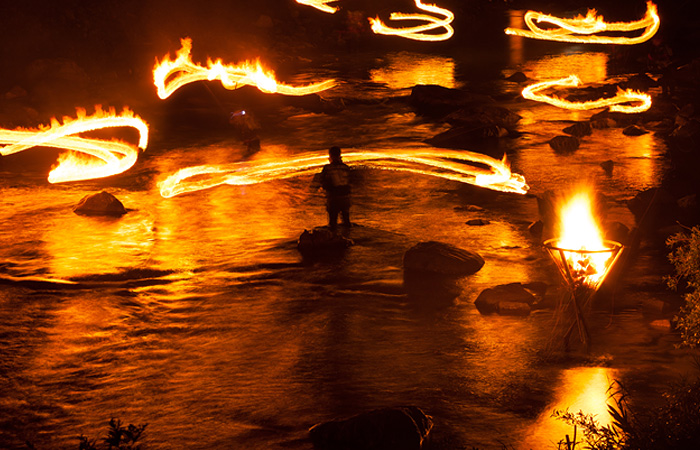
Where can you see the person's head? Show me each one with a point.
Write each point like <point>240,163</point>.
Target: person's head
<point>334,153</point>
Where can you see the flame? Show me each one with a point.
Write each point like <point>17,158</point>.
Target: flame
<point>615,103</point>
<point>582,29</point>
<point>87,158</point>
<point>580,232</point>
<point>418,32</point>
<point>321,5</point>
<point>441,163</point>
<point>170,75</point>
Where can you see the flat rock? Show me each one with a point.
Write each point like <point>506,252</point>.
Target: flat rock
<point>490,299</point>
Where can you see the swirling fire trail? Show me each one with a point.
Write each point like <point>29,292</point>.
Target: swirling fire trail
<point>170,75</point>
<point>462,166</point>
<point>583,30</point>
<point>321,5</point>
<point>615,103</point>
<point>418,32</point>
<point>104,158</point>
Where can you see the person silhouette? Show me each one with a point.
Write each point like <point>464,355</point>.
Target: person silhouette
<point>335,180</point>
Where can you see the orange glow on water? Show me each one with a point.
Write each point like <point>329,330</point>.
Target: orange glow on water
<point>88,158</point>
<point>616,103</point>
<point>321,5</point>
<point>418,32</point>
<point>584,389</point>
<point>405,70</point>
<point>170,75</point>
<point>585,29</point>
<point>439,163</point>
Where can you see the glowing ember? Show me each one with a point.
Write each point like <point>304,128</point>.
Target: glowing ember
<point>418,32</point>
<point>584,30</point>
<point>170,75</point>
<point>99,158</point>
<point>440,163</point>
<point>322,5</point>
<point>532,92</point>
<point>587,254</point>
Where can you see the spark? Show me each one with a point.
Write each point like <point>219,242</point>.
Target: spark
<point>418,32</point>
<point>462,166</point>
<point>615,103</point>
<point>100,158</point>
<point>584,29</point>
<point>322,5</point>
<point>170,75</point>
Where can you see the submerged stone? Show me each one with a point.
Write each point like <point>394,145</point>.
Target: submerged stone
<point>564,144</point>
<point>102,204</point>
<point>490,300</point>
<point>579,129</point>
<point>399,428</point>
<point>440,258</point>
<point>322,240</point>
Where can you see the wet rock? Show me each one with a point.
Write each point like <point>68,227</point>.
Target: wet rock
<point>102,204</point>
<point>602,123</point>
<point>434,100</point>
<point>608,167</point>
<point>634,130</point>
<point>490,299</point>
<point>399,428</point>
<point>564,144</point>
<point>579,129</point>
<point>462,136</point>
<point>513,309</point>
<point>480,116</point>
<point>477,222</point>
<point>322,240</point>
<point>440,258</point>
<point>517,77</point>
<point>470,208</point>
<point>640,82</point>
<point>653,208</point>
<point>687,136</point>
<point>616,231</point>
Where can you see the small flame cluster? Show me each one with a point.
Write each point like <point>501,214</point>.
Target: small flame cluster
<point>87,158</point>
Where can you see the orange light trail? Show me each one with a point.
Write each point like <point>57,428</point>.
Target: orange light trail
<point>643,100</point>
<point>322,5</point>
<point>100,158</point>
<point>461,166</point>
<point>418,32</point>
<point>170,75</point>
<point>583,30</point>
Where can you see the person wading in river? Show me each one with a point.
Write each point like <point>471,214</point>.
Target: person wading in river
<point>335,180</point>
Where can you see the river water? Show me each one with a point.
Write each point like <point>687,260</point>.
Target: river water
<point>197,315</point>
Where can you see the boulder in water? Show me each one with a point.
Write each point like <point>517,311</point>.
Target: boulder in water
<point>564,144</point>
<point>579,129</point>
<point>322,240</point>
<point>443,259</point>
<point>102,204</point>
<point>508,295</point>
<point>399,428</point>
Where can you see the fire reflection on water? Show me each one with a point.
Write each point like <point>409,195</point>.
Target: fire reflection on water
<point>585,389</point>
<point>404,70</point>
